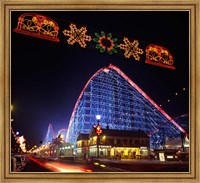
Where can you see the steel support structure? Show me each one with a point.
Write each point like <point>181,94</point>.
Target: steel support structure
<point>122,105</point>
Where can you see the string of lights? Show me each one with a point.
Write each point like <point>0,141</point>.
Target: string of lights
<point>20,140</point>
<point>174,96</point>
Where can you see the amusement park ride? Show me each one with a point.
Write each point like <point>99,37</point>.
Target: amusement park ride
<point>122,105</point>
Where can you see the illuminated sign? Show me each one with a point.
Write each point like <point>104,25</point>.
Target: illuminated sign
<point>162,156</point>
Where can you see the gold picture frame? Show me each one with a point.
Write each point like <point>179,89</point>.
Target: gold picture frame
<point>5,88</point>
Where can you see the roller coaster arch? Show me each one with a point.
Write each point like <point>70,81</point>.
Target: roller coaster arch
<point>122,105</point>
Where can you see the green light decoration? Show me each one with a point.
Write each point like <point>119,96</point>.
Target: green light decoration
<point>106,43</point>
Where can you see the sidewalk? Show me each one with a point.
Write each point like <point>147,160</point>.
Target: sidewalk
<point>131,161</point>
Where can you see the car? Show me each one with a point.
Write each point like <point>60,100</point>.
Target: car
<point>14,166</point>
<point>21,160</point>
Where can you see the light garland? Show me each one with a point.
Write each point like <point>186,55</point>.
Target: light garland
<point>20,140</point>
<point>40,26</point>
<point>172,99</point>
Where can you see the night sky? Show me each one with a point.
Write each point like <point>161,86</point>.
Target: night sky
<point>47,77</point>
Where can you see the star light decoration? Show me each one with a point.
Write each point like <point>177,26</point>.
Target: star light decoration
<point>131,49</point>
<point>77,35</point>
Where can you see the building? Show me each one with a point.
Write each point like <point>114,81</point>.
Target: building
<point>83,146</point>
<point>56,149</point>
<point>115,144</point>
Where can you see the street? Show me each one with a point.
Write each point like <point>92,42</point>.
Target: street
<point>103,165</point>
<point>32,166</point>
<point>147,166</point>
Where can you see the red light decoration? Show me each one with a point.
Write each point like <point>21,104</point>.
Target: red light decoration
<point>160,56</point>
<point>98,130</point>
<point>36,25</point>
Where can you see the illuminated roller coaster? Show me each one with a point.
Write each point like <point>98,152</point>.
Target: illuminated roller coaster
<point>123,106</point>
<point>49,136</point>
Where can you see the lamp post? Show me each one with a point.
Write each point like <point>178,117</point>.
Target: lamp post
<point>98,132</point>
<point>182,141</point>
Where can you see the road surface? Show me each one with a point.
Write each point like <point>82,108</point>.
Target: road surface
<point>103,165</point>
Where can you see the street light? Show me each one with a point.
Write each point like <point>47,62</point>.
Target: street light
<point>98,132</point>
<point>12,107</point>
<point>11,110</point>
<point>98,117</point>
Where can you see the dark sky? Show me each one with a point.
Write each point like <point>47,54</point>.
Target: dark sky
<point>47,77</point>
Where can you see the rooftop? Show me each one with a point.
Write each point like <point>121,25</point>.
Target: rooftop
<point>122,133</point>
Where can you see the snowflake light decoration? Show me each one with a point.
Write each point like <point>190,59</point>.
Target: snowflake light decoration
<point>131,49</point>
<point>106,43</point>
<point>77,35</point>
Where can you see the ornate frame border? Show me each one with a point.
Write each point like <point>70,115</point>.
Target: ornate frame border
<point>8,5</point>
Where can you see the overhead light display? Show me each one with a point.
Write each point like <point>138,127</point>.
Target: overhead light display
<point>77,35</point>
<point>131,49</point>
<point>41,26</point>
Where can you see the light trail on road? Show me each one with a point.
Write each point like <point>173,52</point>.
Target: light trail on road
<point>59,166</point>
